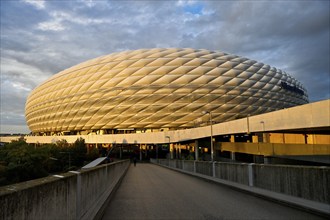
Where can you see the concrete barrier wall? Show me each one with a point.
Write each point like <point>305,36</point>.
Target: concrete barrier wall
<point>306,182</point>
<point>204,168</point>
<point>235,172</point>
<point>188,165</point>
<point>302,181</point>
<point>76,195</point>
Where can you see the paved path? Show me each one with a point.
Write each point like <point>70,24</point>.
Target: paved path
<point>152,192</point>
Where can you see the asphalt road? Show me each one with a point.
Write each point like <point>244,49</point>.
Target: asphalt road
<point>152,192</point>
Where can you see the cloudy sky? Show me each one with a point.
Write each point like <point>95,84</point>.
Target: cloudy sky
<point>41,38</point>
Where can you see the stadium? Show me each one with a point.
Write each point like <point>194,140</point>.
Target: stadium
<point>157,90</point>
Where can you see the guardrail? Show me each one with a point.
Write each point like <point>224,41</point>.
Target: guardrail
<point>306,182</point>
<point>71,195</point>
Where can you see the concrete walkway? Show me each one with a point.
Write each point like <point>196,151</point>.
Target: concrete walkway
<point>153,192</point>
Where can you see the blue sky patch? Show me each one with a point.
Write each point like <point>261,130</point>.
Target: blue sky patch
<point>194,9</point>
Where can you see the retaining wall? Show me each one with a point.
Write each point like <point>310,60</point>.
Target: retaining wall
<point>306,182</point>
<point>301,181</point>
<point>72,195</point>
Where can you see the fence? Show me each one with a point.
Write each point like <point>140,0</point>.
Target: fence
<point>301,181</point>
<point>72,195</point>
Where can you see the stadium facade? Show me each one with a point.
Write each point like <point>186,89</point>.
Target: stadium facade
<point>158,89</point>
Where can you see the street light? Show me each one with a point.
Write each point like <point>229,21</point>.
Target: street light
<point>212,151</point>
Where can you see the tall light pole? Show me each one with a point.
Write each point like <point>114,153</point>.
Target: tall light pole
<point>212,150</point>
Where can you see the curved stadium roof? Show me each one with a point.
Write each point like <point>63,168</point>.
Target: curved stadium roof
<point>159,88</point>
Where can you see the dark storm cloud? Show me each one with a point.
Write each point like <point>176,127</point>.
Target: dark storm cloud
<point>41,38</point>
<point>291,35</point>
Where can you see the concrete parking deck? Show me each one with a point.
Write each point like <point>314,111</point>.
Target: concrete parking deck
<point>153,192</point>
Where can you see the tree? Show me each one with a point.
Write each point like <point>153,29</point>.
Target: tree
<point>92,154</point>
<point>20,161</point>
<point>23,162</point>
<point>79,152</point>
<point>62,143</point>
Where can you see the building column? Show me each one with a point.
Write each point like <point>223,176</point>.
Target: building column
<point>179,151</point>
<point>265,137</point>
<point>157,151</point>
<point>232,138</point>
<point>196,149</point>
<point>258,159</point>
<point>232,156</point>
<point>176,151</point>
<point>171,151</point>
<point>267,160</point>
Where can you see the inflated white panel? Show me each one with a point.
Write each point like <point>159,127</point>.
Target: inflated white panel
<point>159,88</point>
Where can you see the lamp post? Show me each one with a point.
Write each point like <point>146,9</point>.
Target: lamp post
<point>212,150</point>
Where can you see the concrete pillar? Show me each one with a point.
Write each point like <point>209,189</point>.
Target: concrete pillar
<point>232,138</point>
<point>171,151</point>
<point>157,151</point>
<point>146,151</point>
<point>265,137</point>
<point>176,151</point>
<point>255,139</point>
<point>232,155</point>
<point>267,160</point>
<point>179,151</point>
<point>258,159</point>
<point>250,174</point>
<point>196,150</point>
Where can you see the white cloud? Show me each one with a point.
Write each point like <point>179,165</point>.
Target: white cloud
<point>61,21</point>
<point>51,26</point>
<point>39,4</point>
<point>14,129</point>
<point>88,3</point>
<point>13,69</point>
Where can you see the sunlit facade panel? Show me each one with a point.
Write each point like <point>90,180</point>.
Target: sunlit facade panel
<point>159,88</point>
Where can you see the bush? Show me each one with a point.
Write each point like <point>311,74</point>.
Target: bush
<point>20,161</point>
